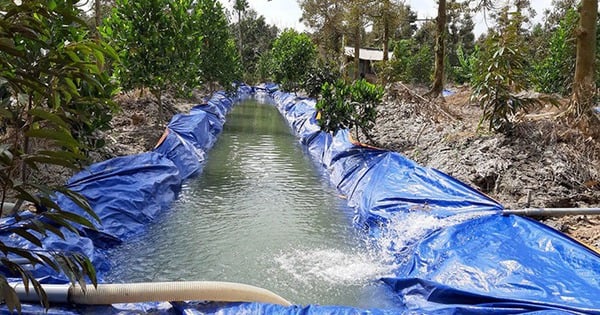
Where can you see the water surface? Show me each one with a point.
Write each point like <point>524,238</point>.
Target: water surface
<point>261,213</point>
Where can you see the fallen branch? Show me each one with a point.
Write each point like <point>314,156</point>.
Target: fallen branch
<point>428,102</point>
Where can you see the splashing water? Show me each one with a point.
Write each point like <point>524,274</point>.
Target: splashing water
<point>334,266</point>
<point>335,276</point>
<point>406,229</point>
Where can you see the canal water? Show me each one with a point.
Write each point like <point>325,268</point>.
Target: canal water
<point>261,213</point>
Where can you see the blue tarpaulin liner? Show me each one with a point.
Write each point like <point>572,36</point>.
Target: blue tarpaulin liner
<point>482,263</point>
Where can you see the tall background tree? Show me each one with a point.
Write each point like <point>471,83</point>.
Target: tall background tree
<point>259,37</point>
<point>356,19</point>
<point>387,16</point>
<point>584,83</point>
<point>325,20</point>
<point>440,50</point>
<point>240,6</point>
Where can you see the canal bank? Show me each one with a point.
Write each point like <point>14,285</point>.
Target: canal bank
<point>486,263</point>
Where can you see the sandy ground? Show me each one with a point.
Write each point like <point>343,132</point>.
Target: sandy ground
<point>554,164</point>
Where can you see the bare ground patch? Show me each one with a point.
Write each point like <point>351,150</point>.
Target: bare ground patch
<point>554,163</point>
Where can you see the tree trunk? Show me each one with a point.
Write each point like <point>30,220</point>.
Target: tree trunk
<point>158,95</point>
<point>241,45</point>
<point>386,29</point>
<point>357,73</point>
<point>584,85</point>
<point>438,82</point>
<point>98,15</point>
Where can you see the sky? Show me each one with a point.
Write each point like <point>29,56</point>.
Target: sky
<point>287,13</point>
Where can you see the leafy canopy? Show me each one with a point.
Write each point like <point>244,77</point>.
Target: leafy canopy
<point>346,106</point>
<point>53,90</point>
<point>219,58</point>
<point>291,58</point>
<point>502,75</point>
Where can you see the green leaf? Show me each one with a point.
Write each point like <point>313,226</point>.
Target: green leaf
<point>28,236</point>
<point>81,201</point>
<point>77,219</point>
<point>43,159</point>
<point>54,230</point>
<point>49,262</point>
<point>9,295</point>
<point>26,195</point>
<point>65,155</point>
<point>58,219</point>
<point>27,254</point>
<point>71,85</point>
<point>6,113</point>
<point>48,203</point>
<point>61,137</point>
<point>88,269</point>
<point>44,114</point>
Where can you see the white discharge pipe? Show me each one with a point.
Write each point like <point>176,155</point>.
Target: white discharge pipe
<point>152,291</point>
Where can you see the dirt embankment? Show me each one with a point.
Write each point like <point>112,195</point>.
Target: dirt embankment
<point>138,127</point>
<point>556,165</point>
<point>135,128</point>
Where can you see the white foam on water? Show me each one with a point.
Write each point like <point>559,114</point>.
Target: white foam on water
<point>405,229</point>
<point>334,266</point>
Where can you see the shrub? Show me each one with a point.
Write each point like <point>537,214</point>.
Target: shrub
<point>345,106</point>
<point>321,73</point>
<point>501,76</point>
<point>554,74</point>
<point>292,56</point>
<point>412,62</point>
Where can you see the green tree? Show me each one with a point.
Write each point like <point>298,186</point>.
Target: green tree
<point>159,42</point>
<point>554,73</point>
<point>501,74</point>
<point>346,106</point>
<point>325,19</point>
<point>259,37</point>
<point>219,59</point>
<point>292,56</point>
<point>50,78</point>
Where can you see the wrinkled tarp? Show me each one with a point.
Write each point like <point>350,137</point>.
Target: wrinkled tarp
<point>485,264</point>
<point>488,264</point>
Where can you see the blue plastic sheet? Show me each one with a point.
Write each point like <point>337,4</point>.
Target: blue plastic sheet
<point>488,264</point>
<point>127,193</point>
<point>482,263</point>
